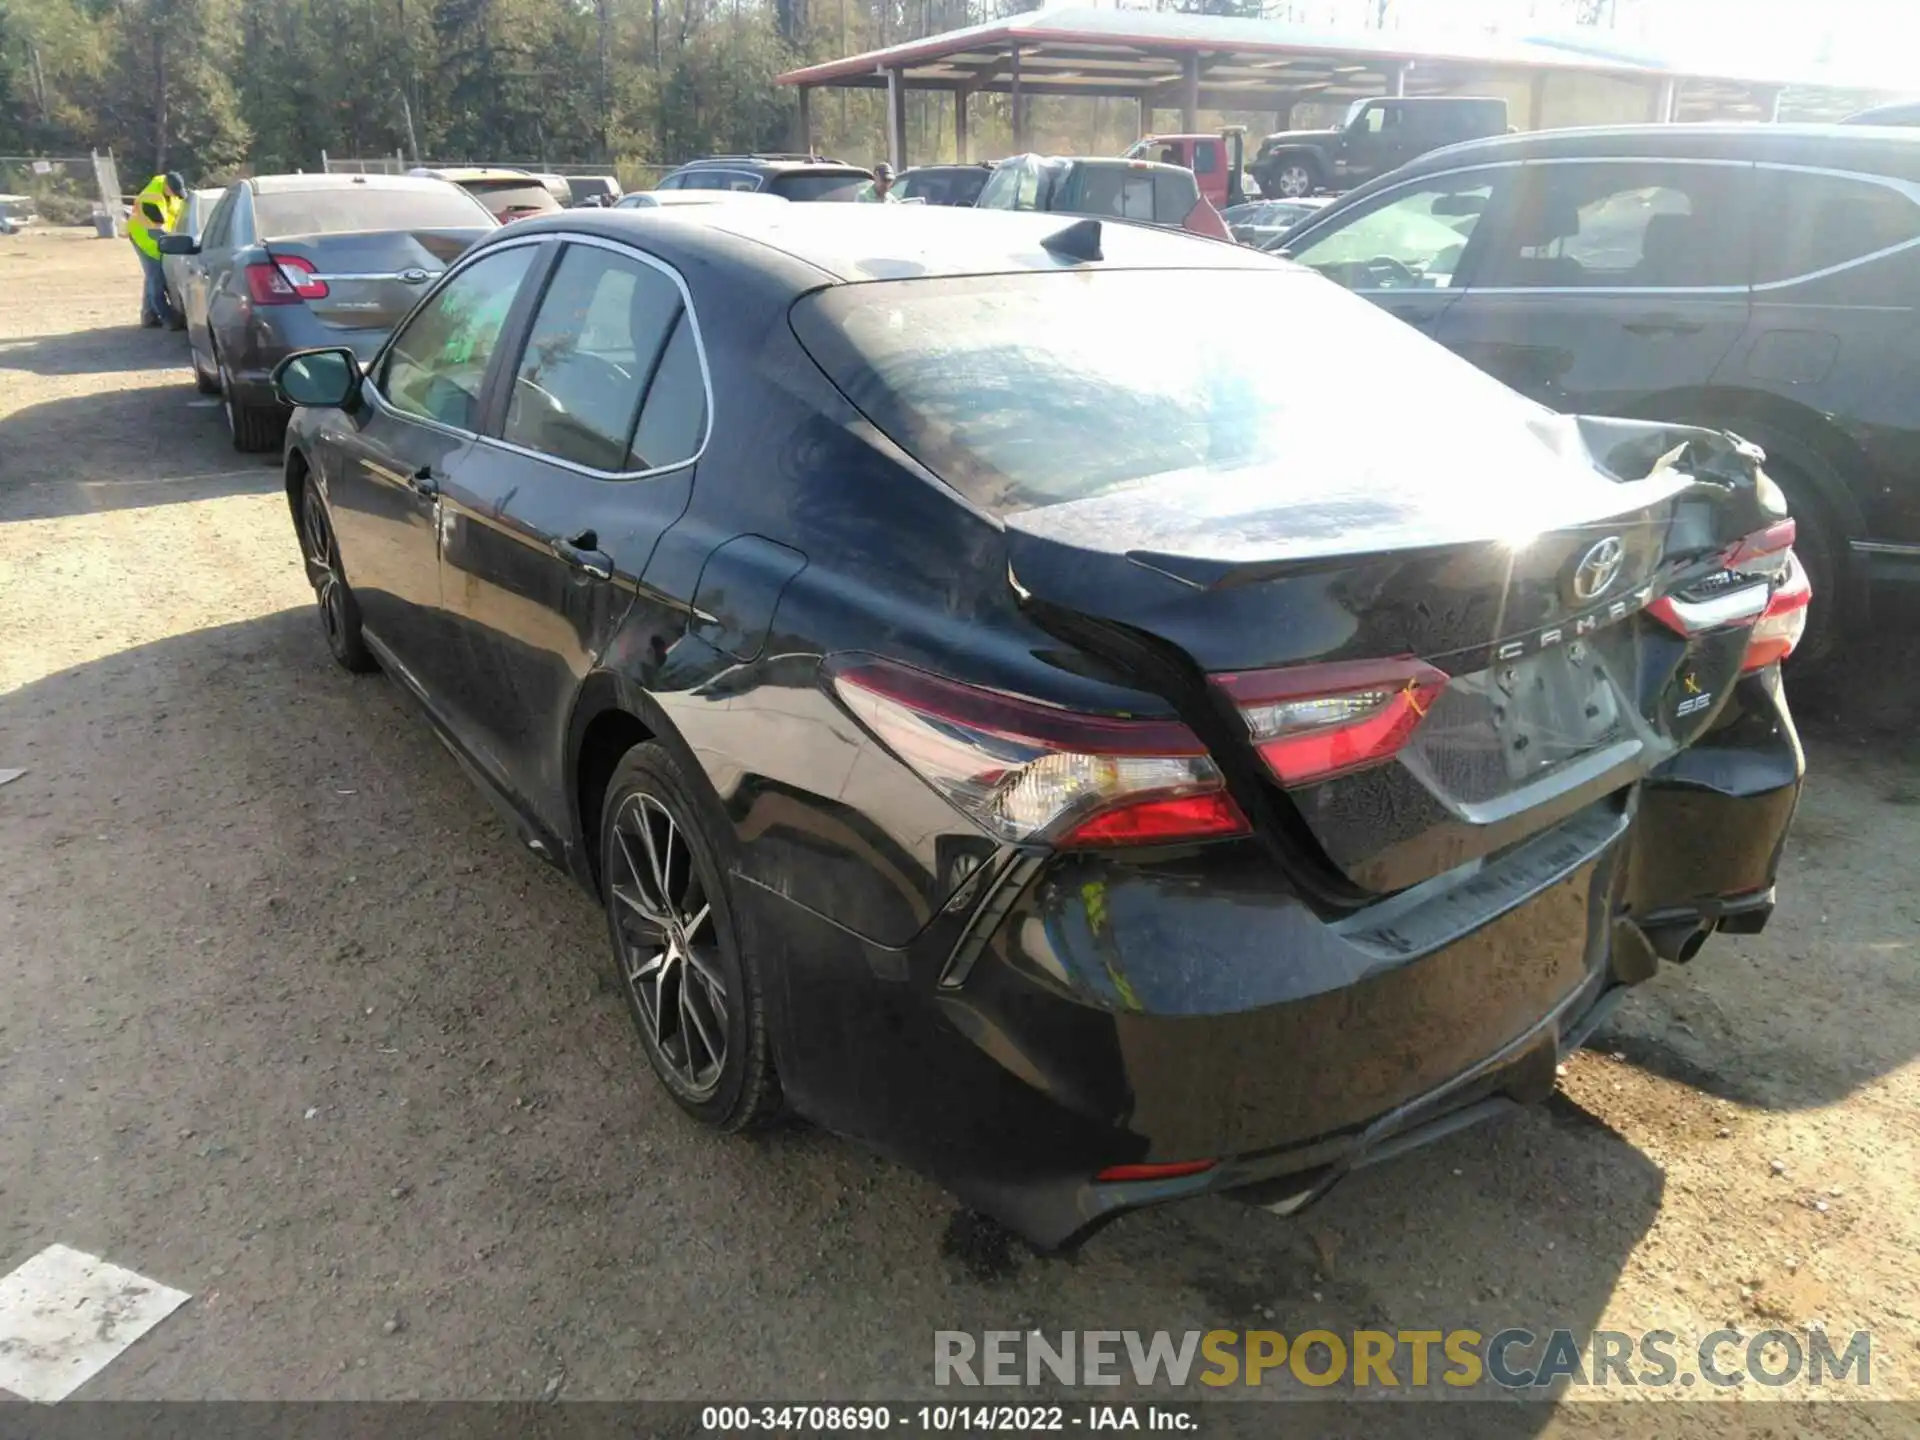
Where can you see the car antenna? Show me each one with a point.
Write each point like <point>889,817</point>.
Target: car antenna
<point>1079,241</point>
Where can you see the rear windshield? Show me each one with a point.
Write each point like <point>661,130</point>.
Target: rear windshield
<point>330,211</point>
<point>500,195</point>
<point>847,186</point>
<point>1033,389</point>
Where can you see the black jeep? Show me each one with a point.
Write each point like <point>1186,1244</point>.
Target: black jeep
<point>1377,136</point>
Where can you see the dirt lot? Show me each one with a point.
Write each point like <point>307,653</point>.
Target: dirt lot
<point>289,1021</point>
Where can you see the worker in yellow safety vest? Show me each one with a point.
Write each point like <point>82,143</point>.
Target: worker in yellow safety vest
<point>155,210</point>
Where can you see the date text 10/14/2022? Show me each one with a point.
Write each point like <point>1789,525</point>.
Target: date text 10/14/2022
<point>948,1419</point>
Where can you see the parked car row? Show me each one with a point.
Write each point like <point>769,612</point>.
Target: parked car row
<point>1004,715</point>
<point>1763,279</point>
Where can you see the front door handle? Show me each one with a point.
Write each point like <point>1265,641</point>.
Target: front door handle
<point>583,552</point>
<point>425,482</point>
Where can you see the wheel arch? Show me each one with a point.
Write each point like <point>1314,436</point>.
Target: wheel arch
<point>610,716</point>
<point>294,477</point>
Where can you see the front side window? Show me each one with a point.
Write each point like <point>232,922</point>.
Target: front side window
<point>1013,186</point>
<point>219,223</point>
<point>595,340</point>
<point>1636,225</point>
<point>437,365</point>
<point>1412,241</point>
<point>1815,222</point>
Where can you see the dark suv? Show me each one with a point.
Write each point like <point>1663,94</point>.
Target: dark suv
<point>791,177</point>
<point>1376,136</point>
<point>1762,279</point>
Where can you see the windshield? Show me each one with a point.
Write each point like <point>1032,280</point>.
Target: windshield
<point>843,187</point>
<point>332,211</point>
<point>1032,389</point>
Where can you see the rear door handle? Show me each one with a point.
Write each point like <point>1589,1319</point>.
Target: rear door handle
<point>583,552</point>
<point>425,482</point>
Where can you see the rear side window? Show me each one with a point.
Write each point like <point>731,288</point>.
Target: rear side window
<point>1174,197</point>
<point>1637,225</point>
<point>600,327</point>
<point>1815,222</point>
<point>1206,157</point>
<point>673,421</point>
<point>350,207</point>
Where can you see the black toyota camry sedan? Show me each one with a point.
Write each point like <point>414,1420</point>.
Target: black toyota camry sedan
<point>1059,743</point>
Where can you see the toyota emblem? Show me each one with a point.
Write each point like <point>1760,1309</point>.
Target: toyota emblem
<point>1598,569</point>
<point>414,277</point>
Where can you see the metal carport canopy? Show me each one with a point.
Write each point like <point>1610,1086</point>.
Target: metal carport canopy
<point>1196,62</point>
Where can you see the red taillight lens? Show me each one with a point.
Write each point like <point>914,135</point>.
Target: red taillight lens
<point>1023,771</point>
<point>1778,631</point>
<point>1762,585</point>
<point>1761,547</point>
<point>1170,1170</point>
<point>284,281</point>
<point>1314,722</point>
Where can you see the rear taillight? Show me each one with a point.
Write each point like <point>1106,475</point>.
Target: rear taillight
<point>1761,584</point>
<point>1778,630</point>
<point>284,281</point>
<point>1023,771</point>
<point>1312,722</point>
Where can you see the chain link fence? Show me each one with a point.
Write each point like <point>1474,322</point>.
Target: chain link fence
<point>632,174</point>
<point>60,190</point>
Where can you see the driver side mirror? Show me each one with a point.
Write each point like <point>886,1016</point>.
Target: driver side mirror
<point>178,245</point>
<point>320,378</point>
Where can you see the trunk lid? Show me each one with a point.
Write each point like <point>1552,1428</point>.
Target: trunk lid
<point>372,278</point>
<point>1519,589</point>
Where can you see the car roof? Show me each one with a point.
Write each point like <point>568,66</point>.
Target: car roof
<point>463,174</point>
<point>772,162</point>
<point>293,184</point>
<point>1799,144</point>
<point>815,244</point>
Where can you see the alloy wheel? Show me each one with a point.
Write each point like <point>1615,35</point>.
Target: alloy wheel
<point>668,944</point>
<point>323,566</point>
<point>1295,182</point>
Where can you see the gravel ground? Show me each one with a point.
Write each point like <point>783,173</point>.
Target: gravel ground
<point>289,1021</point>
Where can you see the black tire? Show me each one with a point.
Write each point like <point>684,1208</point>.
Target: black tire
<point>339,611</point>
<point>253,428</point>
<point>654,843</point>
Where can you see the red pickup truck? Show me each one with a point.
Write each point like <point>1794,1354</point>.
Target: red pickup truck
<point>1217,162</point>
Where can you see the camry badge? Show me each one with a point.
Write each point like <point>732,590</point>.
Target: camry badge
<point>1598,568</point>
